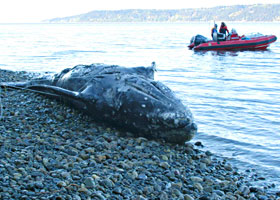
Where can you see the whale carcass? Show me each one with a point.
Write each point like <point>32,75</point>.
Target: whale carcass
<point>127,98</point>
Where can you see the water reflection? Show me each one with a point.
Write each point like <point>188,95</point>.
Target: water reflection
<point>228,53</point>
<point>224,53</point>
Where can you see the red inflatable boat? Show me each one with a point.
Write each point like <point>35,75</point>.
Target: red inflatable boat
<point>256,42</point>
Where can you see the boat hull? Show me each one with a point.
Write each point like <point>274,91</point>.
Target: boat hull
<point>257,43</point>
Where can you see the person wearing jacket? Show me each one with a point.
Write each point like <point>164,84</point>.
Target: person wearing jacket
<point>234,35</point>
<point>214,32</point>
<point>223,29</point>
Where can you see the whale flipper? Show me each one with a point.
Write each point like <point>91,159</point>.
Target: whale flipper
<point>54,91</point>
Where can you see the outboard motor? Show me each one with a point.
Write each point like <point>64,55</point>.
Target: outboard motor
<point>197,40</point>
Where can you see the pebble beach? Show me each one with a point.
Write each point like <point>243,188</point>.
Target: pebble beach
<point>51,151</point>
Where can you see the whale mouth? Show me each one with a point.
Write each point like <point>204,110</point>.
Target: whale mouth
<point>180,135</point>
<point>179,127</point>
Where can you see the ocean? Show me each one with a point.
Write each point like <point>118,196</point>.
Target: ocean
<point>234,96</point>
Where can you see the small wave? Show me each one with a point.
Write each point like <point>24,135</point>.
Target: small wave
<point>69,52</point>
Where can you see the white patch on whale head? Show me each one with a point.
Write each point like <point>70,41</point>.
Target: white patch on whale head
<point>168,115</point>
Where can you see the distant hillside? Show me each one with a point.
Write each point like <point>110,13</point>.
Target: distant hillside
<point>258,12</point>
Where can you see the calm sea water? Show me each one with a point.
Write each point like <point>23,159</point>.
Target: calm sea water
<point>234,96</point>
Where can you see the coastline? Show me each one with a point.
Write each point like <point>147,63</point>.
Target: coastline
<point>50,151</point>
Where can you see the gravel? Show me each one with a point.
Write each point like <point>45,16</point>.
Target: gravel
<point>51,151</point>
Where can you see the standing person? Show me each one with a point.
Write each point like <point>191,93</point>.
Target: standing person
<point>214,32</point>
<point>223,29</point>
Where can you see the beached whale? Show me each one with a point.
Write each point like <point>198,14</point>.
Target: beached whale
<point>128,98</point>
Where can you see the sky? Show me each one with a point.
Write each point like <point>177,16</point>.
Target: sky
<point>32,11</point>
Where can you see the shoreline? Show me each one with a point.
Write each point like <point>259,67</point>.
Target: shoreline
<point>50,151</point>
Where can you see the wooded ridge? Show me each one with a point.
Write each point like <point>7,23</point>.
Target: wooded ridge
<point>257,12</point>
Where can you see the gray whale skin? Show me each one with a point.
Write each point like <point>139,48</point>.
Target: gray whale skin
<point>127,98</point>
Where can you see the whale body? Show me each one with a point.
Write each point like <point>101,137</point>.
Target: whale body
<point>127,98</point>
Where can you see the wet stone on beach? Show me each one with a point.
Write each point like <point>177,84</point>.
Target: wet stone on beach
<point>50,151</point>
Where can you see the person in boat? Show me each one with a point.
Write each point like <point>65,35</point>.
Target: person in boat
<point>214,32</point>
<point>223,31</point>
<point>234,35</point>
